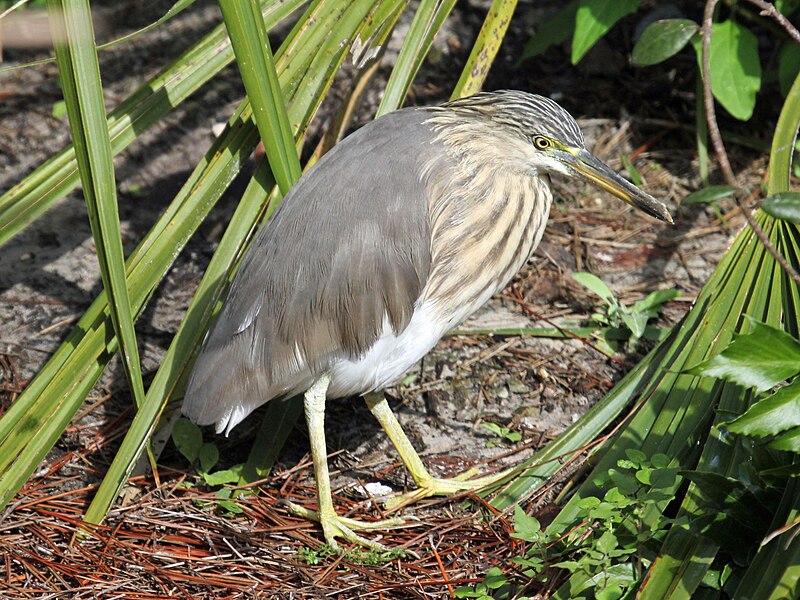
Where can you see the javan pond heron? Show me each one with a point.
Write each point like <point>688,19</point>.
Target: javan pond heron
<point>395,236</point>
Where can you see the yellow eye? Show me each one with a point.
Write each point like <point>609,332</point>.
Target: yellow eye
<point>542,143</point>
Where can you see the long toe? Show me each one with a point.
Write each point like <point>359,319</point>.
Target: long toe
<point>334,526</point>
<point>435,486</point>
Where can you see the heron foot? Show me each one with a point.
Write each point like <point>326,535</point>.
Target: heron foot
<point>435,486</point>
<point>334,526</point>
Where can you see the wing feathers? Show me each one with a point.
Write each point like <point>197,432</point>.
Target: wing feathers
<point>348,247</point>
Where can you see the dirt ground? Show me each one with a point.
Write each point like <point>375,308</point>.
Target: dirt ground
<point>536,386</point>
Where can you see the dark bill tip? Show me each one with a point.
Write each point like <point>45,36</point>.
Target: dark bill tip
<point>595,171</point>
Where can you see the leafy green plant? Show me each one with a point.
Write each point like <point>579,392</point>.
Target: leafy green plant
<point>369,557</point>
<point>593,19</point>
<point>765,358</point>
<point>59,110</point>
<point>586,21</point>
<point>735,63</point>
<point>614,547</point>
<point>493,587</point>
<point>609,544</point>
<point>312,556</point>
<point>224,502</point>
<point>663,40</point>
<point>188,439</point>
<point>618,316</point>
<point>358,556</point>
<point>735,82</point>
<point>504,433</point>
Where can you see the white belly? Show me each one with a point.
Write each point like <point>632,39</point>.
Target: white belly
<point>390,357</point>
<point>393,355</point>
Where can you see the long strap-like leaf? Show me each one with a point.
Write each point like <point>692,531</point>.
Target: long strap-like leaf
<point>29,199</point>
<point>257,67</point>
<point>485,48</point>
<point>79,74</point>
<point>427,20</point>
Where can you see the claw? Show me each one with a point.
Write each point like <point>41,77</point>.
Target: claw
<point>435,486</point>
<point>426,484</point>
<point>334,526</point>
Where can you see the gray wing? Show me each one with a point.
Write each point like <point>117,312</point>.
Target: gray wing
<point>348,247</point>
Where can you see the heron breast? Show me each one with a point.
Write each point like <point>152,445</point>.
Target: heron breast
<point>481,237</point>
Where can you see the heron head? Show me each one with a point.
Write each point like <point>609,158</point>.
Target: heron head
<point>537,135</point>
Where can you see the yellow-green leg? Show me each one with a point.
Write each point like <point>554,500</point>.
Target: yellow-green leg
<point>333,525</point>
<point>427,485</point>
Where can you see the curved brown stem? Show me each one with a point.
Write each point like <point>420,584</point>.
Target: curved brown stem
<point>719,146</point>
<point>768,10</point>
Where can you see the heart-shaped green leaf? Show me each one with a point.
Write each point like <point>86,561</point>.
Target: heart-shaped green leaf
<point>772,415</point>
<point>662,40</point>
<point>785,206</point>
<point>760,359</point>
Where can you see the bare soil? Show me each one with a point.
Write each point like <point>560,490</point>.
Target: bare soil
<point>168,541</point>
